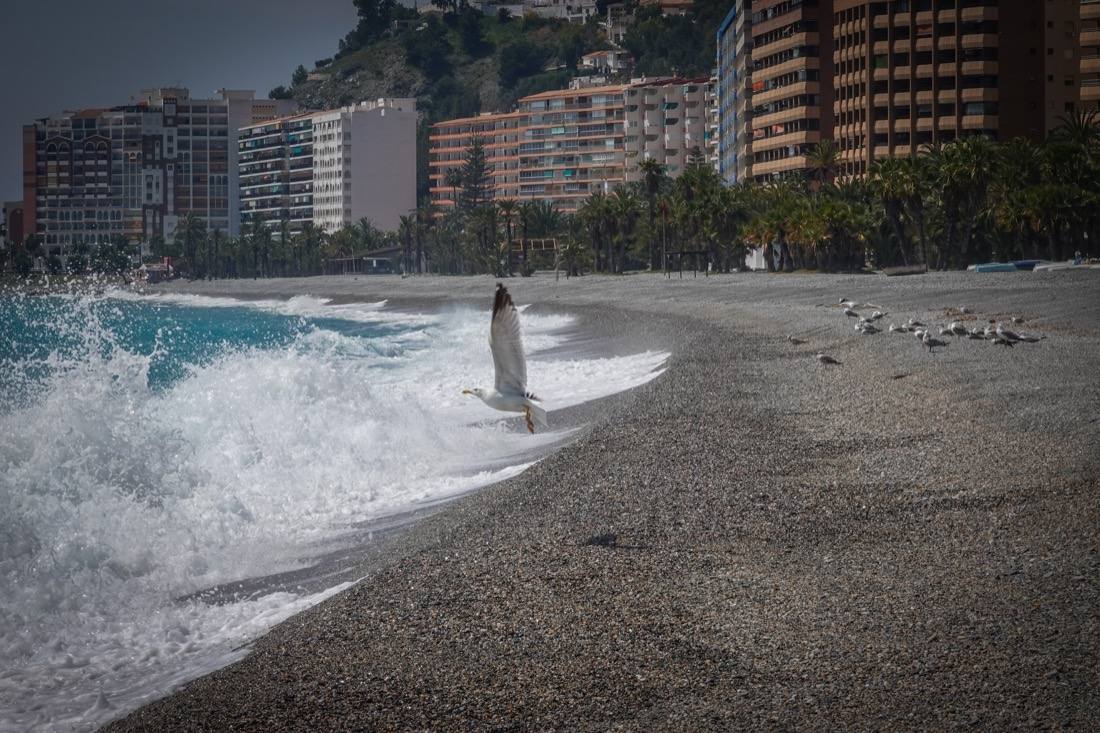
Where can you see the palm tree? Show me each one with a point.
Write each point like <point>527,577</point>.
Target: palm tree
<point>528,211</point>
<point>593,212</point>
<point>190,229</point>
<point>624,207</point>
<point>405,227</point>
<point>261,251</point>
<point>963,173</point>
<point>653,174</point>
<point>508,209</point>
<point>896,185</point>
<point>824,160</point>
<point>453,179</point>
<point>425,218</point>
<point>216,243</point>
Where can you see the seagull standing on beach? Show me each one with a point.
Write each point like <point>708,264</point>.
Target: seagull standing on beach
<point>510,391</point>
<point>856,305</point>
<point>826,359</point>
<point>928,340</point>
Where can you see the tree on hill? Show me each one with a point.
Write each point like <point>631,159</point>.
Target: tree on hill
<point>471,34</point>
<point>427,49</point>
<point>477,181</point>
<point>675,44</point>
<point>519,59</point>
<point>299,76</point>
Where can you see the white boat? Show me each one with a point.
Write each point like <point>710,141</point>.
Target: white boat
<point>1059,266</point>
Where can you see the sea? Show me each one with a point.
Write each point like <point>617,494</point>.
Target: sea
<point>154,447</point>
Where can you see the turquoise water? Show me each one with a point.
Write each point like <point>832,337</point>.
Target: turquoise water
<point>153,447</point>
<point>42,333</point>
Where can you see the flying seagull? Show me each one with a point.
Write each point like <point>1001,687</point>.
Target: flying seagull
<point>826,359</point>
<point>510,391</point>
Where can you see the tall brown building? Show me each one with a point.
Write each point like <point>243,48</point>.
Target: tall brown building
<point>918,72</point>
<point>1089,67</point>
<point>884,77</point>
<point>792,91</point>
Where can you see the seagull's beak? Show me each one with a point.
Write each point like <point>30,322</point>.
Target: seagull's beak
<point>466,391</point>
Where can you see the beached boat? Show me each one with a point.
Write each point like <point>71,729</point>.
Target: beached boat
<point>1059,266</point>
<point>904,270</point>
<point>994,267</point>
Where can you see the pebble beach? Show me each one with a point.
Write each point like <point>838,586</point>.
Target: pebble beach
<point>752,541</point>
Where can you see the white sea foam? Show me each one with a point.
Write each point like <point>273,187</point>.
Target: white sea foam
<point>117,499</point>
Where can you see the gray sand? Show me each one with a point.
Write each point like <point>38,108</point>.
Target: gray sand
<point>751,541</point>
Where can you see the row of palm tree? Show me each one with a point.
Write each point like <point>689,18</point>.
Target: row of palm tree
<point>949,205</point>
<point>264,250</point>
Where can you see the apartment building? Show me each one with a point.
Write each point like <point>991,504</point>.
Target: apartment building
<point>1089,64</point>
<point>331,168</point>
<point>883,77</point>
<point>134,170</point>
<point>563,146</point>
<point>712,123</point>
<point>275,169</point>
<point>734,93</point>
<point>449,141</point>
<point>930,71</point>
<point>665,120</point>
<point>791,93</point>
<point>11,231</point>
<point>572,144</point>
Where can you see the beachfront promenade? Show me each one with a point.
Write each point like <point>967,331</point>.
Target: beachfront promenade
<point>752,541</point>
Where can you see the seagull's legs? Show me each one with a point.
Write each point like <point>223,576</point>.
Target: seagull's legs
<point>527,417</point>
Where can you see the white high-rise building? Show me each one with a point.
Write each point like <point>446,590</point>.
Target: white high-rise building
<point>333,167</point>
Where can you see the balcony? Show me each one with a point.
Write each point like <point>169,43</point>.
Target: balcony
<point>781,141</point>
<point>979,40</point>
<point>980,122</point>
<point>791,90</point>
<point>979,13</point>
<point>979,68</point>
<point>792,41</point>
<point>797,162</point>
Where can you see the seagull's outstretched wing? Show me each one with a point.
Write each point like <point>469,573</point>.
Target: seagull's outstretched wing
<point>507,345</point>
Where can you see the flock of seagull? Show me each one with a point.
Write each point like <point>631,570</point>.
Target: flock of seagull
<point>866,325</point>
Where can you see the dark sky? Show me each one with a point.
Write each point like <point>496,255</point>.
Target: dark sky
<point>68,54</point>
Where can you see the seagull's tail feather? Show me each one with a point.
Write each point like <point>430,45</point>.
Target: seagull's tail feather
<point>538,414</point>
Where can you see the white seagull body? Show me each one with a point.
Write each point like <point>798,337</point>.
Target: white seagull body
<point>509,393</point>
<point>856,305</point>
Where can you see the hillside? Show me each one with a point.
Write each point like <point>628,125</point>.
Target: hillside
<point>461,62</point>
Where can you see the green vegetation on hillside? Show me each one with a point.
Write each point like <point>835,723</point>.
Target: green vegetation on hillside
<point>461,62</point>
